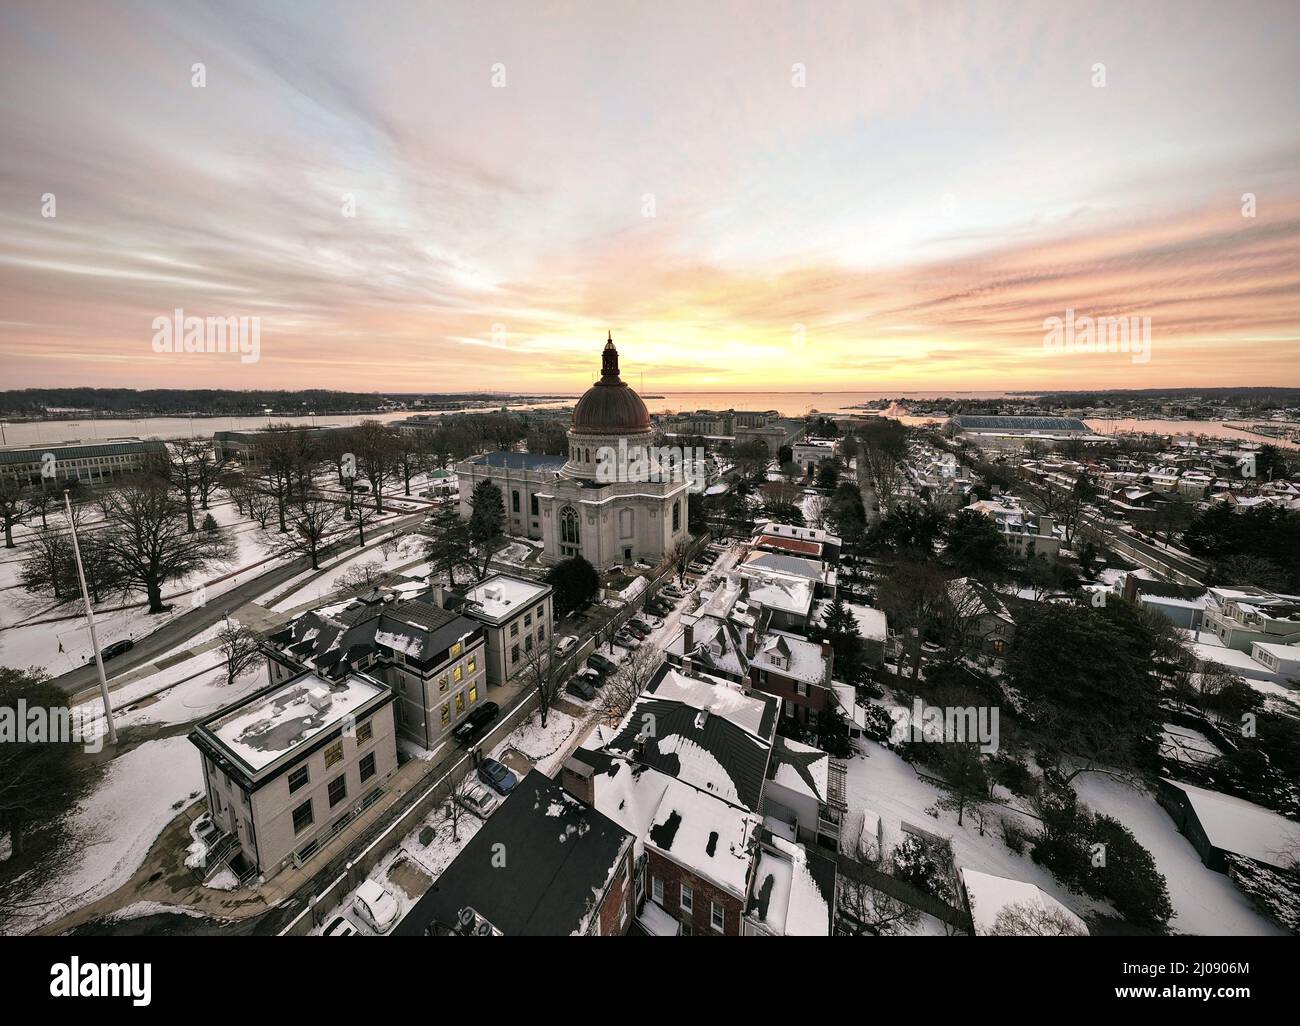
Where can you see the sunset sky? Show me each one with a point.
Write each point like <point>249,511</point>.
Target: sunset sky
<point>948,177</point>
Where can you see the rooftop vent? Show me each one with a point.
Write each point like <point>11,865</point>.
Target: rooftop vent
<point>700,718</point>
<point>319,699</point>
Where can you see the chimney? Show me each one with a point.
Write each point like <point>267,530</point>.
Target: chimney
<point>579,780</point>
<point>1045,524</point>
<point>688,639</point>
<point>436,596</point>
<point>751,643</point>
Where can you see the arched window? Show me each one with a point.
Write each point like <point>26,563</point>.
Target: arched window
<point>570,538</point>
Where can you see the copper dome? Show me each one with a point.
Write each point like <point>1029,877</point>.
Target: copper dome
<point>610,407</point>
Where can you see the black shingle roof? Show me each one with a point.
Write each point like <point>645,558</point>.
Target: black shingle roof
<point>559,856</point>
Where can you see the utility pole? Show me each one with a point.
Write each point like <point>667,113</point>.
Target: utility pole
<point>90,619</point>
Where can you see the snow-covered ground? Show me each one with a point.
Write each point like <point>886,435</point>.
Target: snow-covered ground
<point>1205,902</point>
<point>386,558</point>
<point>115,826</point>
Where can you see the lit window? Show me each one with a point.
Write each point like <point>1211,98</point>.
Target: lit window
<point>334,754</point>
<point>457,674</point>
<point>471,664</point>
<point>365,731</point>
<point>446,713</point>
<point>473,695</point>
<point>460,702</point>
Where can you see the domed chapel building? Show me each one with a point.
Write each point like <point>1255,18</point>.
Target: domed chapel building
<point>597,502</point>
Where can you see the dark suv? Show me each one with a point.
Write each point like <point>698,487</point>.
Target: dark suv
<point>471,728</point>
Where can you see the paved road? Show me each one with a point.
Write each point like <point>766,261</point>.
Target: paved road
<point>187,625</point>
<point>1175,566</point>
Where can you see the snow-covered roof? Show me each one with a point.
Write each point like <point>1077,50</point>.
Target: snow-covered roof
<point>277,720</point>
<point>989,895</point>
<point>786,896</point>
<point>709,837</point>
<point>1244,828</point>
<point>499,596</point>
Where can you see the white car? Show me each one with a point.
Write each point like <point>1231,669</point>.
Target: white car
<point>480,801</point>
<point>376,906</point>
<point>566,645</point>
<point>339,928</point>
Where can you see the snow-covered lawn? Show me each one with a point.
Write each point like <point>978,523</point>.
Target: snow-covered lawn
<point>329,582</point>
<point>887,785</point>
<point>138,795</point>
<point>1205,902</point>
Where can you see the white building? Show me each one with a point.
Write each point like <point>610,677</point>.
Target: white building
<point>613,501</point>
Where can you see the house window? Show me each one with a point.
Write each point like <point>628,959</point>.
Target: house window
<point>514,653</point>
<point>533,504</point>
<point>688,898</point>
<point>302,817</point>
<point>297,779</point>
<point>338,789</point>
<point>365,731</point>
<point>442,683</point>
<point>514,629</point>
<point>460,702</point>
<point>657,889</point>
<point>473,694</point>
<point>455,651</point>
<point>801,688</point>
<point>541,633</point>
<point>528,643</point>
<point>446,713</point>
<point>334,754</point>
<point>367,767</point>
<point>457,674</point>
<point>717,916</point>
<point>677,515</point>
<point>514,500</point>
<point>528,619</point>
<point>687,931</point>
<point>471,664</point>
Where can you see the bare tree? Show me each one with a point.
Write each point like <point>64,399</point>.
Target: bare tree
<point>458,792</point>
<point>146,538</point>
<point>15,506</point>
<point>624,687</point>
<point>542,673</point>
<point>287,459</point>
<point>312,520</point>
<point>1028,920</point>
<point>239,649</point>
<point>864,910</point>
<point>680,559</point>
<point>376,448</point>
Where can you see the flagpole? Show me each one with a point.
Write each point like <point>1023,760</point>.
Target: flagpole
<point>90,619</point>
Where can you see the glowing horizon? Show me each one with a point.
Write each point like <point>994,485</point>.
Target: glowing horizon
<point>943,181</point>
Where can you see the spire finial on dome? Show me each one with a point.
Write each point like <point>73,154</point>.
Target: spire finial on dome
<point>609,363</point>
<point>609,335</point>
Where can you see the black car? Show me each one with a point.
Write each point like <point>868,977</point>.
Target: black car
<point>581,689</point>
<point>601,664</point>
<point>640,630</point>
<point>117,648</point>
<point>471,728</point>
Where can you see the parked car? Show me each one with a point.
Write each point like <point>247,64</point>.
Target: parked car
<point>625,640</point>
<point>602,663</point>
<point>566,645</point>
<point>641,630</point>
<point>593,677</point>
<point>580,688</point>
<point>340,927</point>
<point>479,800</point>
<point>497,776</point>
<point>472,727</point>
<point>647,619</point>
<point>376,906</point>
<point>116,649</point>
